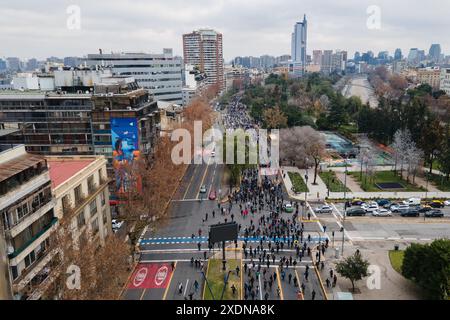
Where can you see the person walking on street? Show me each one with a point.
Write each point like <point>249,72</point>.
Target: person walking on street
<point>313,295</point>
<point>196,285</point>
<point>180,288</point>
<point>172,264</point>
<point>233,289</point>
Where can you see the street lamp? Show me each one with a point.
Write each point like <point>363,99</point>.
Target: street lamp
<point>306,193</point>
<point>345,189</point>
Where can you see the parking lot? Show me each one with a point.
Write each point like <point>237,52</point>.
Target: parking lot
<point>394,228</point>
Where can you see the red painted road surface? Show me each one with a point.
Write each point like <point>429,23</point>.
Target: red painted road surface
<point>150,276</point>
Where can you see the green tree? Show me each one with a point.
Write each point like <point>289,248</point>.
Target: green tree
<point>431,140</point>
<point>428,265</point>
<point>353,268</point>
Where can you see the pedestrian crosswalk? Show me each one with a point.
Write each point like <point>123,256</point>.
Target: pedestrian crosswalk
<point>203,239</point>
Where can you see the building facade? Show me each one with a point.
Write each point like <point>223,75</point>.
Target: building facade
<point>204,50</point>
<point>298,46</point>
<point>35,194</point>
<point>27,219</point>
<point>430,76</point>
<point>123,102</point>
<point>445,80</point>
<point>159,74</point>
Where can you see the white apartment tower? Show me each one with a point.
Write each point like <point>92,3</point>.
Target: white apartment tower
<point>160,74</point>
<point>203,49</point>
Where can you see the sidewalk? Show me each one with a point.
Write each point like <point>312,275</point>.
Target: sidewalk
<point>316,192</point>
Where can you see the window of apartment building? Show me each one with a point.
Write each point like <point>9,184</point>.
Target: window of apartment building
<point>29,259</point>
<point>105,217</point>
<point>103,198</point>
<point>22,210</point>
<point>91,184</point>
<point>100,175</point>
<point>78,194</point>
<point>95,226</point>
<point>93,207</point>
<point>66,206</point>
<point>81,221</point>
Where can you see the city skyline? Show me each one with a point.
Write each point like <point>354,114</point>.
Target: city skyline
<point>151,27</point>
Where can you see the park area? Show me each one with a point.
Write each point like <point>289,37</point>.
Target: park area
<point>332,182</point>
<point>384,181</point>
<point>216,280</point>
<point>298,184</point>
<point>396,258</point>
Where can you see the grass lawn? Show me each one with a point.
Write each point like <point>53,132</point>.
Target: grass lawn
<point>396,258</point>
<point>297,182</point>
<point>216,277</point>
<point>440,182</point>
<point>335,185</point>
<point>384,177</point>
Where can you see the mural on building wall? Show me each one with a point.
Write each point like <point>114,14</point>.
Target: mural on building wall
<point>125,143</point>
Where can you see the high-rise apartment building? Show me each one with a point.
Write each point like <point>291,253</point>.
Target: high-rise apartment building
<point>435,52</point>
<point>317,57</point>
<point>398,54</point>
<point>204,49</point>
<point>299,40</point>
<point>327,61</point>
<point>298,47</point>
<point>160,74</point>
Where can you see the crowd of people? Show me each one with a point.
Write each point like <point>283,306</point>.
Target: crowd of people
<point>236,116</point>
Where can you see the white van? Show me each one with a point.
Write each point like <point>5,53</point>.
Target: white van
<point>412,202</point>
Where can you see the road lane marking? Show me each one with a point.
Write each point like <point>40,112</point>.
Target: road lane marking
<point>279,284</point>
<point>260,289</point>
<point>203,179</point>
<point>185,288</point>
<point>170,281</point>
<point>298,280</point>
<point>190,182</point>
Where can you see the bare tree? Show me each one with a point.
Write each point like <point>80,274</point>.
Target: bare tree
<point>402,143</point>
<point>302,147</point>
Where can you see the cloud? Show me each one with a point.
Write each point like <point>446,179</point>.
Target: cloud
<point>250,27</point>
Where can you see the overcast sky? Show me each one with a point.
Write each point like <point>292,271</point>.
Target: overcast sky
<point>31,28</point>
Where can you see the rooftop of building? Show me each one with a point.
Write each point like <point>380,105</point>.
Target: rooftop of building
<point>18,163</point>
<point>63,168</point>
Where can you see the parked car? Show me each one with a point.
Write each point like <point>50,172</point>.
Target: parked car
<point>354,212</point>
<point>382,213</point>
<point>203,189</point>
<point>434,214</point>
<point>447,202</point>
<point>425,208</point>
<point>357,202</point>
<point>324,209</point>
<point>371,207</point>
<point>412,202</point>
<point>116,225</point>
<point>383,203</point>
<point>399,207</point>
<point>212,195</point>
<point>410,213</point>
<point>436,204</point>
<point>288,208</point>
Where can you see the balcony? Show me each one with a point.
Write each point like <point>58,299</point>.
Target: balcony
<point>37,236</point>
<point>25,222</point>
<point>35,269</point>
